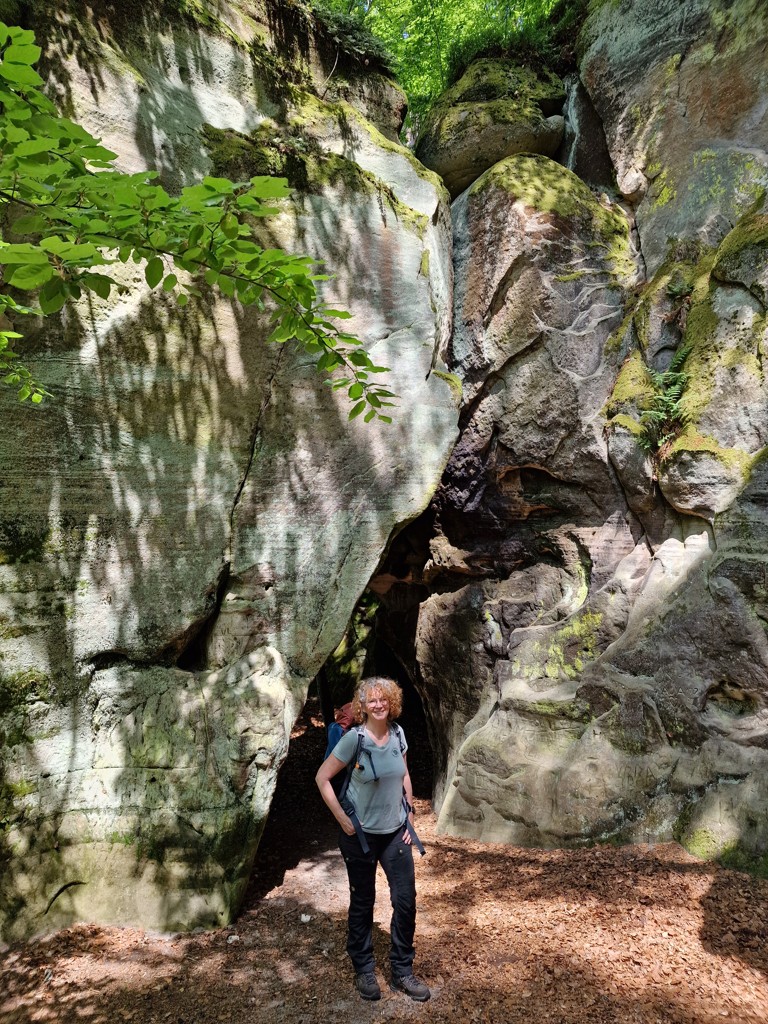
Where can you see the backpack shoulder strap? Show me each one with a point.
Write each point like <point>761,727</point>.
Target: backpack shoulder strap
<point>360,730</point>
<point>400,736</point>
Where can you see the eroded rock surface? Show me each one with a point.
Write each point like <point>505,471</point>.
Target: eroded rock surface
<point>591,629</point>
<point>193,499</point>
<point>680,90</point>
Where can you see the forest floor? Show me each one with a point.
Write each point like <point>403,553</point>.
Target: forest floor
<point>640,935</point>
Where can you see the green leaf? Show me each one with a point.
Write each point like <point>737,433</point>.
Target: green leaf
<point>230,225</point>
<point>28,276</point>
<point>52,296</point>
<point>22,253</point>
<point>154,271</point>
<point>30,223</point>
<point>328,361</point>
<point>226,285</point>
<point>195,235</point>
<point>170,282</point>
<point>369,415</point>
<point>97,154</point>
<point>19,74</point>
<point>32,146</point>
<point>356,410</point>
<point>221,186</point>
<point>22,53</point>
<point>356,391</point>
<point>15,134</point>
<point>269,188</point>
<point>360,359</point>
<point>97,283</point>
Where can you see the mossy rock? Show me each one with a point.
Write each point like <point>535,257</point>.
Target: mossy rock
<point>494,111</point>
<point>301,161</point>
<point>21,687</point>
<point>488,79</point>
<point>632,393</point>
<point>712,837</point>
<point>743,256</point>
<point>548,187</point>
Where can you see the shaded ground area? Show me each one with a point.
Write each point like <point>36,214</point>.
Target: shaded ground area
<point>505,936</point>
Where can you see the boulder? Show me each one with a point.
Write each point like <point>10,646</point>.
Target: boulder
<point>495,110</point>
<point>540,265</point>
<point>142,797</point>
<point>702,412</point>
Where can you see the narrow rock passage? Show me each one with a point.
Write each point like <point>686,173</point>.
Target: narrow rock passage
<point>505,936</point>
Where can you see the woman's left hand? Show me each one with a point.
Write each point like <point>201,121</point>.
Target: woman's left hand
<point>407,835</point>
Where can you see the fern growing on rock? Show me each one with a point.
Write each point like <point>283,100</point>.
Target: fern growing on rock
<point>664,417</point>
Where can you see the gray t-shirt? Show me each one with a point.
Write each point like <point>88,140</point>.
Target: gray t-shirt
<point>376,787</point>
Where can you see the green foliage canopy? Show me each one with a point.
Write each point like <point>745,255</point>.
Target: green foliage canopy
<point>67,216</point>
<point>431,39</point>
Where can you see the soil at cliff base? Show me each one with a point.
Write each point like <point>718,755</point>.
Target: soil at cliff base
<point>504,935</point>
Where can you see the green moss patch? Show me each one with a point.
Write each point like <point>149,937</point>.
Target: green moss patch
<point>548,187</point>
<point>302,161</point>
<point>488,79</point>
<point>751,233</point>
<point>495,89</point>
<point>692,441</point>
<point>706,354</point>
<point>454,383</point>
<point>574,645</point>
<point>633,390</point>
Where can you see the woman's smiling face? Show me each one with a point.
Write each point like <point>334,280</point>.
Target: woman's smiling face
<point>377,706</point>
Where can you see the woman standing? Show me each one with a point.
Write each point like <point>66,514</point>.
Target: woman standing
<point>384,820</point>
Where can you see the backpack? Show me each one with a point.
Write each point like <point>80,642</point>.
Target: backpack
<point>342,724</point>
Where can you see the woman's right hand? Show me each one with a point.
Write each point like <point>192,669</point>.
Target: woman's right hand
<point>347,826</point>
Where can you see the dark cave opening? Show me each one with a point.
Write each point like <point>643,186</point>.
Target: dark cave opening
<point>299,825</point>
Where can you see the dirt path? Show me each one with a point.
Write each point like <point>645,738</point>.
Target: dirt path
<point>504,936</point>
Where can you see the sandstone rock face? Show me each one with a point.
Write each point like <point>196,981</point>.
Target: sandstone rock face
<point>679,87</point>
<point>595,657</point>
<point>591,625</point>
<point>529,344</point>
<point>145,793</point>
<point>185,529</point>
<point>495,110</point>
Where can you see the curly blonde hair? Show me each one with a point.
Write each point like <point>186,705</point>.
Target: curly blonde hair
<point>387,688</point>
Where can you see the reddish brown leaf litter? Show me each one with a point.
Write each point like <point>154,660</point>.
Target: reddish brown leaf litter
<point>504,935</point>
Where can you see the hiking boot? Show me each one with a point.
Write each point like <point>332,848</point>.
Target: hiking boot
<point>412,987</point>
<point>367,985</point>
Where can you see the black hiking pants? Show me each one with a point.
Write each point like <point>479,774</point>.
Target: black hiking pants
<point>396,859</point>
